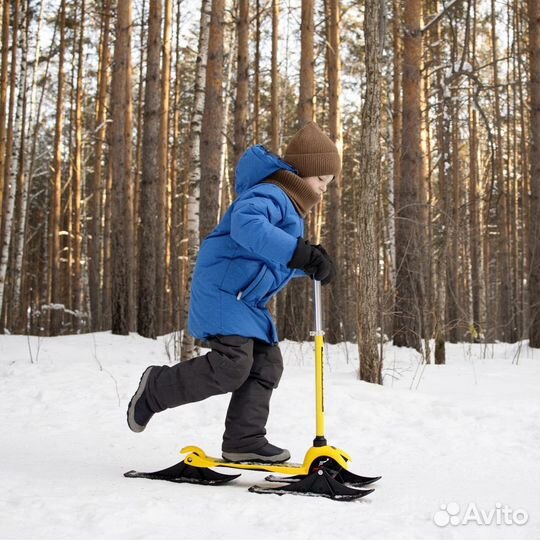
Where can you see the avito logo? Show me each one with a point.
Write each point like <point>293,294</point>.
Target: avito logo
<point>451,514</point>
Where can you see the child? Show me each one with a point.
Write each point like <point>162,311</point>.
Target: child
<point>250,256</point>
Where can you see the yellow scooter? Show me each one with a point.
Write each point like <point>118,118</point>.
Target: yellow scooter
<point>324,471</point>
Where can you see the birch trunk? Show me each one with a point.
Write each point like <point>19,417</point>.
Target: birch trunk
<point>14,142</point>
<point>225,192</point>
<point>3,96</point>
<point>17,315</point>
<point>188,349</point>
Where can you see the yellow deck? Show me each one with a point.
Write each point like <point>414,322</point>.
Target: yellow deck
<point>198,458</point>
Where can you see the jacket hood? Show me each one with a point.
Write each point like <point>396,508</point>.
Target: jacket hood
<point>255,165</point>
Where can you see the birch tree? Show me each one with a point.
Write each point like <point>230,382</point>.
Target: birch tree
<point>192,196</point>
<point>15,121</point>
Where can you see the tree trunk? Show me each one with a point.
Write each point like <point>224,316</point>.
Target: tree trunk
<point>95,181</point>
<point>275,88</point>
<point>306,110</point>
<point>474,226</point>
<point>534,234</point>
<point>336,296</point>
<point>192,196</point>
<point>150,203</point>
<point>54,277</point>
<point>26,176</point>
<point>3,96</point>
<point>163,218</point>
<point>122,211</point>
<point>177,163</point>
<point>212,123</point>
<point>408,306</point>
<point>242,81</point>
<point>225,192</point>
<point>15,175</point>
<point>257,74</point>
<point>369,181</point>
<point>78,176</point>
<point>506,324</point>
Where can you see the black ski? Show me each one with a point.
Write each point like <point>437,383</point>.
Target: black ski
<point>182,472</point>
<point>343,476</point>
<point>317,484</point>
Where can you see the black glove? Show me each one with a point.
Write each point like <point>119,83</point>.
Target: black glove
<point>313,260</point>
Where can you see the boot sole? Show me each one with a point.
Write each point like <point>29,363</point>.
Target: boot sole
<point>137,428</point>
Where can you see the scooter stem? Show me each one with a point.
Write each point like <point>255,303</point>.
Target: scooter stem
<point>319,368</point>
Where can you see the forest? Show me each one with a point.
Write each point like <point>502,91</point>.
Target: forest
<point>121,124</point>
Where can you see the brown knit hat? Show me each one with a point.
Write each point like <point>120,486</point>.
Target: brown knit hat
<point>312,153</point>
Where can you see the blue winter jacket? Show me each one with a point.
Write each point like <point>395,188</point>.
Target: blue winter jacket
<point>242,263</point>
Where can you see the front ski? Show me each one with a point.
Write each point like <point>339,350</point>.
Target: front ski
<point>342,475</point>
<point>182,472</point>
<point>317,484</point>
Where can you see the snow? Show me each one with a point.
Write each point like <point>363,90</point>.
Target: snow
<point>465,433</point>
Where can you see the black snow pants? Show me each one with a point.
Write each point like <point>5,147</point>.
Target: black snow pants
<point>249,368</point>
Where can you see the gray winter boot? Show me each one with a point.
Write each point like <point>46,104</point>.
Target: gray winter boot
<point>267,454</point>
<point>138,411</point>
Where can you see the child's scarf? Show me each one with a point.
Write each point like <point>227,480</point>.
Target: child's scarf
<point>303,196</point>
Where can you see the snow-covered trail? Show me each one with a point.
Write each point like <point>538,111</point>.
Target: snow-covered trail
<point>467,432</point>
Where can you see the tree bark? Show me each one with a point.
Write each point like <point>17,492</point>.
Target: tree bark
<point>242,81</point>
<point>336,292</point>
<point>369,181</point>
<point>150,203</point>
<point>78,174</point>
<point>3,96</point>
<point>306,109</point>
<point>122,211</point>
<point>534,234</point>
<point>275,86</point>
<point>408,305</point>
<point>506,324</point>
<point>163,209</point>
<point>212,123</point>
<point>54,277</point>
<point>95,181</point>
<point>192,196</point>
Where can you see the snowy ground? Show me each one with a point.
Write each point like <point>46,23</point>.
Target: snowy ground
<point>465,433</point>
